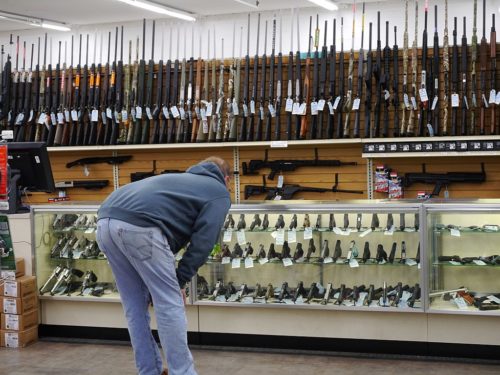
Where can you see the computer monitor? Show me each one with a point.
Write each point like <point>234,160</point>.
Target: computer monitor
<point>31,161</point>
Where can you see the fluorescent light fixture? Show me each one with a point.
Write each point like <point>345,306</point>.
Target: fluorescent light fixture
<point>251,4</point>
<point>33,21</point>
<point>327,4</point>
<point>157,8</point>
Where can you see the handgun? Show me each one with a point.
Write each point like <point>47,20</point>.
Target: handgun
<point>346,221</point>
<point>280,222</point>
<point>375,222</point>
<point>307,222</point>
<point>237,251</point>
<point>284,292</point>
<point>299,291</point>
<point>311,249</point>
<point>241,223</point>
<point>392,254</point>
<point>381,254</point>
<point>248,250</point>
<point>299,252</point>
<point>265,222</point>
<point>229,222</point>
<point>337,253</point>
<point>325,251</point>
<point>366,252</point>
<point>89,279</point>
<point>51,280</point>
<point>256,222</point>
<point>293,223</point>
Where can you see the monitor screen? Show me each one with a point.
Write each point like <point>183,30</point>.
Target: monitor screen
<point>31,161</point>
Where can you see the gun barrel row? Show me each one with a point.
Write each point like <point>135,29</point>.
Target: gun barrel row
<point>180,101</point>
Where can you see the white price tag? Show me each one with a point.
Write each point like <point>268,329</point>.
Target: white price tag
<point>261,112</point>
<point>292,236</point>
<point>138,112</point>
<point>281,179</point>
<point>336,103</point>
<point>94,116</point>
<point>366,232</point>
<point>434,103</point>
<point>289,105</point>
<point>125,115</point>
<point>203,114</point>
<point>455,100</point>
<point>303,109</point>
<point>165,112</point>
<point>337,231</point>
<point>272,110</point>
<point>67,116</point>
<point>497,99</point>
<point>330,107</point>
<point>321,104</point>
<point>308,233</point>
<point>263,261</point>
<point>226,260</point>
<point>252,107</point>
<point>209,109</point>
<point>7,134</point>
<point>148,113</point>
<point>228,235</point>
<point>175,111</point>
<point>485,101</point>
<point>109,113</point>
<point>287,262</point>
<point>460,302</point>
<point>240,235</point>
<point>245,110</point>
<point>296,108</point>
<point>10,288</point>
<point>406,100</point>
<point>41,118</point>
<point>387,95</point>
<point>19,118</point>
<point>355,104</point>
<point>280,236</point>
<point>314,108</point>
<point>205,125</point>
<point>53,119</point>
<point>414,102</point>
<point>279,144</point>
<point>479,262</point>
<point>454,263</point>
<point>183,113</point>
<point>248,262</point>
<point>31,116</point>
<point>328,260</point>
<point>389,232</point>
<point>423,95</point>
<point>493,97</point>
<point>236,263</point>
<point>455,232</point>
<point>346,232</point>
<point>410,262</point>
<point>12,322</point>
<point>74,115</point>
<point>353,263</point>
<point>236,110</point>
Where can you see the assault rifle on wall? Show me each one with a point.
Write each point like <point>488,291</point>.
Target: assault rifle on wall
<point>444,179</point>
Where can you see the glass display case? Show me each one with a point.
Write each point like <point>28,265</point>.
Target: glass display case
<point>354,255</point>
<point>464,264</point>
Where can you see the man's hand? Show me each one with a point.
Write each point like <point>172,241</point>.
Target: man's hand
<point>183,294</point>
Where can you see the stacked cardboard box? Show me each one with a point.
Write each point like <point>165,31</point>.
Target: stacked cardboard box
<point>19,309</point>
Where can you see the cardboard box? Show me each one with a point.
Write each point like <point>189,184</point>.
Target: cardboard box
<point>20,287</point>
<point>20,339</point>
<point>22,322</point>
<point>10,305</point>
<point>19,272</point>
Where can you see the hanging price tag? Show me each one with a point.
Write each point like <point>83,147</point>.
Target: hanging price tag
<point>124,115</point>
<point>138,112</point>
<point>414,102</point>
<point>175,111</point>
<point>355,104</point>
<point>455,232</point>
<point>280,181</point>
<point>228,235</point>
<point>205,125</point>
<point>292,236</point>
<point>460,302</point>
<point>182,113</point>
<point>493,97</point>
<point>226,260</point>
<point>321,104</point>
<point>497,99</point>
<point>434,103</point>
<point>308,233</point>
<point>67,116</point>
<point>423,95</point>
<point>94,117</point>
<point>486,104</point>
<point>248,262</point>
<point>479,262</point>
<point>272,110</point>
<point>280,236</point>
<point>53,119</point>
<point>289,105</point>
<point>466,103</point>
<point>337,231</point>
<point>387,95</point>
<point>303,109</point>
<point>353,263</point>
<point>148,113</point>
<point>252,107</point>
<point>236,110</point>
<point>240,235</point>
<point>330,108</point>
<point>245,110</point>
<point>366,232</point>
<point>336,103</point>
<point>263,261</point>
<point>406,101</point>
<point>109,113</point>
<point>328,260</point>
<point>287,262</point>
<point>209,109</point>
<point>296,108</point>
<point>236,263</point>
<point>455,100</point>
<point>74,115</point>
<point>314,108</point>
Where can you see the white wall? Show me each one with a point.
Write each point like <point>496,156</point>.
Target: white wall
<point>392,11</point>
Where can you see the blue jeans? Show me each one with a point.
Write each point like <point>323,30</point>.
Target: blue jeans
<point>143,265</point>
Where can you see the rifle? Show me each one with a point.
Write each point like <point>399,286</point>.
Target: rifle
<point>405,106</point>
<point>262,100</point>
<point>446,70</point>
<point>356,104</point>
<point>155,138</point>
<point>395,83</point>
<point>174,112</point>
<point>133,95</point>
<point>377,72</point>
<point>55,101</point>
<point>83,99</point>
<point>271,106</point>
<point>220,99</point>
<point>286,192</point>
<point>348,105</point>
<point>424,101</point>
<point>100,159</point>
<point>443,179</point>
<point>454,81</point>
<point>95,103</point>
<point>61,104</point>
<point>15,91</point>
<point>35,101</point>
<point>149,91</point>
<point>41,97</point>
<point>85,184</point>
<point>92,88</point>
<point>48,98</point>
<point>125,112</point>
<point>186,135</point>
<point>386,81</point>
<point>414,68</point>
<point>197,120</point>
<point>230,121</point>
<point>279,166</point>
<point>333,71</point>
<point>19,113</point>
<point>246,83</point>
<point>298,85</point>
<point>68,98</point>
<point>182,96</point>
<point>279,91</point>
<point>117,113</point>
<point>306,92</point>
<point>104,103</point>
<point>435,71</point>
<point>203,129</point>
<point>165,107</point>
<point>483,56</point>
<point>465,106</point>
<point>26,115</point>
<point>322,83</point>
<point>6,85</point>
<point>212,129</point>
<point>473,48</point>
<point>493,72</point>
<point>315,84</point>
<point>141,76</point>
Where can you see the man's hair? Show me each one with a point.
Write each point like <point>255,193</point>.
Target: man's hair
<point>221,163</point>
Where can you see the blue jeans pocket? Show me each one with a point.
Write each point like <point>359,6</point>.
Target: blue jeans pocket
<point>138,244</point>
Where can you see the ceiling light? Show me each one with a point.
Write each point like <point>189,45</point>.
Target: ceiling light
<point>327,4</point>
<point>33,21</point>
<point>252,4</point>
<point>157,8</point>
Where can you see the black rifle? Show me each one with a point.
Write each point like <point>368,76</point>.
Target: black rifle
<point>377,72</point>
<point>435,73</point>
<point>82,110</point>
<point>454,80</point>
<point>286,192</point>
<point>465,105</point>
<point>117,113</point>
<point>27,116</point>
<point>386,81</point>
<point>493,72</point>
<point>149,91</point>
<point>341,98</point>
<point>271,107</point>
<point>251,125</point>
<point>315,84</point>
<point>174,98</point>
<point>35,101</point>
<point>279,89</point>
<point>92,88</point>
<point>422,123</point>
<point>322,84</point>
<point>104,103</point>
<point>278,166</point>
<point>76,96</point>
<point>359,92</point>
<point>186,135</point>
<point>48,98</point>
<point>94,117</point>
<point>262,100</point>
<point>289,88</point>
<point>166,101</point>
<point>159,90</point>
<point>100,159</point>
<point>444,179</point>
<point>7,84</point>
<point>483,57</point>
<point>141,77</point>
<point>56,91</point>
<point>86,184</point>
<point>298,84</point>
<point>333,73</point>
<point>15,91</point>
<point>197,134</point>
<point>61,101</point>
<point>395,82</point>
<point>68,95</point>
<point>20,100</point>
<point>246,84</point>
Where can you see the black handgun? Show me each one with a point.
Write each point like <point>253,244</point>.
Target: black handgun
<point>366,252</point>
<point>293,223</point>
<point>256,222</point>
<point>299,252</point>
<point>337,253</point>
<point>241,222</point>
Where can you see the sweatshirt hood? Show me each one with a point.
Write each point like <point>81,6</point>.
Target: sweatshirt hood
<point>207,169</point>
